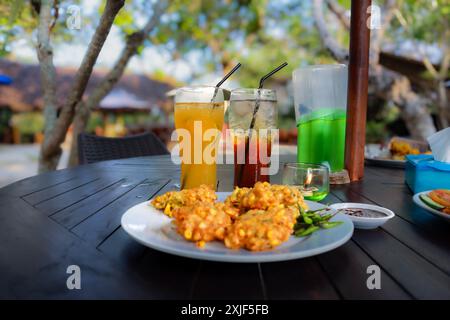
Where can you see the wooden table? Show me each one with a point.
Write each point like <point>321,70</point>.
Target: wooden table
<point>72,217</point>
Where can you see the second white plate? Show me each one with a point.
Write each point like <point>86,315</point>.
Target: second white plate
<point>421,204</point>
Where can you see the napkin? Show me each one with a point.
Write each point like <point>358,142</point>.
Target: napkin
<point>440,145</point>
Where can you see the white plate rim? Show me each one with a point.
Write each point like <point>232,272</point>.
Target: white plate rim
<point>253,257</point>
<point>388,163</point>
<point>385,160</point>
<point>420,203</point>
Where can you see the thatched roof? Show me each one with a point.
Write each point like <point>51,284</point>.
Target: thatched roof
<point>25,93</point>
<point>120,100</point>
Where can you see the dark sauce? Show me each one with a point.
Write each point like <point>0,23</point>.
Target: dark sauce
<point>365,213</point>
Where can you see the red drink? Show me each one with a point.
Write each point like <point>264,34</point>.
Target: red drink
<point>252,113</point>
<point>248,171</point>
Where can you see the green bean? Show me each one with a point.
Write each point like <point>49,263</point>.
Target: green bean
<point>307,232</point>
<point>302,211</point>
<point>307,219</point>
<point>299,231</point>
<point>329,225</point>
<point>318,210</point>
<point>309,222</point>
<point>300,225</point>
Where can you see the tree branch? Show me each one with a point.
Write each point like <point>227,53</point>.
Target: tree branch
<point>429,66</point>
<point>84,108</point>
<point>159,9</point>
<point>339,53</point>
<point>444,111</point>
<point>132,44</point>
<point>413,109</point>
<point>53,141</point>
<point>445,63</point>
<point>56,8</point>
<point>377,34</point>
<point>340,13</point>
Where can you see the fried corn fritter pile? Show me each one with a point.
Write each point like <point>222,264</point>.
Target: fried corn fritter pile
<point>175,199</point>
<point>232,211</point>
<point>258,218</point>
<point>201,222</point>
<point>264,196</point>
<point>258,230</point>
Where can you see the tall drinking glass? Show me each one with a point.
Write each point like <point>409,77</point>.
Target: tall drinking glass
<point>252,150</point>
<point>199,114</point>
<point>320,98</point>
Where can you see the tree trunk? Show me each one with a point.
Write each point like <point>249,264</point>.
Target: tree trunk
<point>413,109</point>
<point>444,114</point>
<point>48,80</point>
<point>56,128</point>
<point>49,163</point>
<point>79,126</point>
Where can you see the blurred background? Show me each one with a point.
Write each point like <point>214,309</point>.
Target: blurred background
<point>154,47</point>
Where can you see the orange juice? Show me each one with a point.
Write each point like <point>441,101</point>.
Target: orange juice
<point>195,170</point>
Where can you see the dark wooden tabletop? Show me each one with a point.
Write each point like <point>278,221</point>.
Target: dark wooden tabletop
<point>72,217</point>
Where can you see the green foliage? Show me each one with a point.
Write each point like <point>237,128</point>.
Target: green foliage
<point>422,20</point>
<point>258,33</point>
<point>5,117</point>
<point>16,18</point>
<point>28,122</point>
<point>139,119</point>
<point>219,28</point>
<point>19,18</point>
<point>125,21</point>
<point>377,127</point>
<point>95,120</point>
<point>376,131</point>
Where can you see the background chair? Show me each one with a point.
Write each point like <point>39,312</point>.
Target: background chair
<point>93,148</point>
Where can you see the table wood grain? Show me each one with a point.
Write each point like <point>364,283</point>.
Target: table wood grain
<point>72,216</point>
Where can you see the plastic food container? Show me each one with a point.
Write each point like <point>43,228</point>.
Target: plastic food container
<point>423,173</point>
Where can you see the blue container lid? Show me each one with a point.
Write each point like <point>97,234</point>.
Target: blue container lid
<point>424,161</point>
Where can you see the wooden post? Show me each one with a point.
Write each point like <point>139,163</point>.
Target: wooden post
<point>358,74</point>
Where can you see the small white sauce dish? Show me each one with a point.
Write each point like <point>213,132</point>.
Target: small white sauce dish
<point>365,222</point>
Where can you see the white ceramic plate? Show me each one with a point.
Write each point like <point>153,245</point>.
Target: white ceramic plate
<point>153,229</point>
<point>364,222</point>
<point>376,155</point>
<point>421,204</point>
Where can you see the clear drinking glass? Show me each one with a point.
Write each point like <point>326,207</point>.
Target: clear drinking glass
<point>252,151</point>
<point>320,98</point>
<point>311,179</point>
<point>198,109</point>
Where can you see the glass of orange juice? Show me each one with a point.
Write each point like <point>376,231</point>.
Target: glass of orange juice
<point>199,114</point>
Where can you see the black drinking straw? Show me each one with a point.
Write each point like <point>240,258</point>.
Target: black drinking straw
<point>252,123</point>
<point>261,82</point>
<point>223,80</point>
<point>228,75</point>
